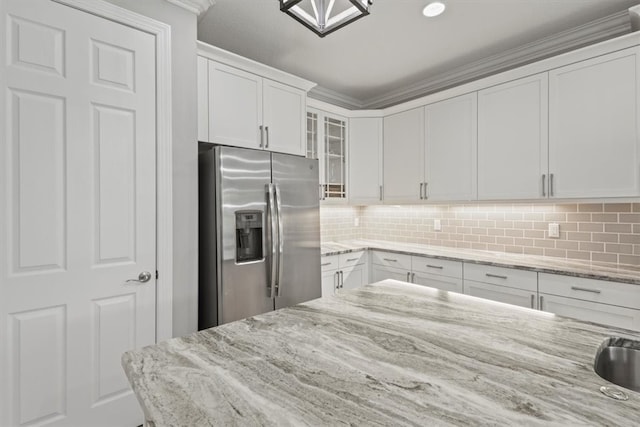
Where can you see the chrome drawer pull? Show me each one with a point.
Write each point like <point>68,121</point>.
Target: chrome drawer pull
<point>390,260</point>
<point>593,291</point>
<point>439,267</point>
<point>496,276</point>
<point>325,264</point>
<point>352,259</point>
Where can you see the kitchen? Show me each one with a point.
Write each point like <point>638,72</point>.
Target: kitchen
<point>408,218</point>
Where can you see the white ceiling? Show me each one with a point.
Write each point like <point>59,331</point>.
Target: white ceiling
<point>395,46</point>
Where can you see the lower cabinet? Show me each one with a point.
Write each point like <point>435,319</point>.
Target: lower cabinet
<point>503,294</point>
<point>345,271</point>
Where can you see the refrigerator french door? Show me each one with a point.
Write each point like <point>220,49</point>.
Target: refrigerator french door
<point>259,233</point>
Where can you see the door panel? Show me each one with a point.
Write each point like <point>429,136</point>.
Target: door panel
<point>439,282</point>
<point>284,116</point>
<point>242,179</point>
<point>78,214</point>
<point>501,294</point>
<point>297,182</point>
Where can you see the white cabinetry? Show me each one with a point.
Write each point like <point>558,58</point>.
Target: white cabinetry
<point>598,301</point>
<point>594,135</point>
<point>403,156</point>
<point>365,161</point>
<point>450,149</point>
<point>513,140</point>
<point>246,104</point>
<point>327,139</point>
<point>507,285</point>
<point>344,271</point>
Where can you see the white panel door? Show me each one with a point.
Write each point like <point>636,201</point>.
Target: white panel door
<point>77,213</point>
<point>329,282</point>
<point>365,161</point>
<point>594,132</point>
<point>450,149</point>
<point>513,145</point>
<point>403,156</point>
<point>604,314</point>
<point>235,107</point>
<point>353,277</point>
<point>284,118</point>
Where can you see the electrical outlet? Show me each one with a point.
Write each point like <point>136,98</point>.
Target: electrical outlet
<point>437,225</point>
<point>554,230</point>
<point>356,222</point>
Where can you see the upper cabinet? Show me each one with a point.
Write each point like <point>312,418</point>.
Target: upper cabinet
<point>365,161</point>
<point>594,140</point>
<point>513,140</point>
<point>243,104</point>
<point>450,149</point>
<point>403,157</point>
<point>326,141</point>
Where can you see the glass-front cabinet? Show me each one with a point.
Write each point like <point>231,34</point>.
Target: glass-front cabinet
<point>327,142</point>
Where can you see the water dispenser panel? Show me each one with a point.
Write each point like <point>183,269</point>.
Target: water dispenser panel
<point>248,236</point>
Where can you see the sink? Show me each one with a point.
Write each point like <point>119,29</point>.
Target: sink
<point>618,361</point>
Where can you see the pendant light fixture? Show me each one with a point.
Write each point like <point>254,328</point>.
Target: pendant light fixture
<point>325,16</point>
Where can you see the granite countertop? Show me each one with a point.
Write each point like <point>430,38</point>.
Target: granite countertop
<point>390,353</point>
<point>591,270</point>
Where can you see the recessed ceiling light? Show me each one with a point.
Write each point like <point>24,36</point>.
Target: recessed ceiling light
<point>433,9</point>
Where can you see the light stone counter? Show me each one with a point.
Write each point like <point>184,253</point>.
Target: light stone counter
<point>391,353</point>
<point>591,270</point>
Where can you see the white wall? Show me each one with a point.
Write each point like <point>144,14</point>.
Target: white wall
<point>185,156</point>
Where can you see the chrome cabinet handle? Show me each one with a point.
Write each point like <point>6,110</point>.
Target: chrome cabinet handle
<point>341,284</point>
<point>336,275</point>
<point>381,193</point>
<point>544,181</point>
<point>325,264</point>
<point>593,291</point>
<point>390,259</point>
<point>408,274</point>
<point>421,185</point>
<point>143,277</point>
<point>496,276</point>
<point>413,277</point>
<point>541,301</point>
<point>439,267</point>
<point>532,299</point>
<point>551,184</point>
<point>261,136</point>
<point>352,259</point>
<point>266,128</point>
<point>426,194</point>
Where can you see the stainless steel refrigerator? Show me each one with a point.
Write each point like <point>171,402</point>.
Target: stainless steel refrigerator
<point>259,233</point>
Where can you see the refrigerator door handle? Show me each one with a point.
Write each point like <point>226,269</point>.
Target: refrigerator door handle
<point>272,218</point>
<point>280,240</point>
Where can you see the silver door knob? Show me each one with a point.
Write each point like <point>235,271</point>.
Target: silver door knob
<point>143,277</point>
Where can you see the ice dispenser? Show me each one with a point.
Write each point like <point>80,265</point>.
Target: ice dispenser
<point>248,236</point>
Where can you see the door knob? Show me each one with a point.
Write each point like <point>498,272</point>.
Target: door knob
<point>143,277</point>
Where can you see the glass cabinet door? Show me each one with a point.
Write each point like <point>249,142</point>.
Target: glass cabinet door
<point>312,135</point>
<point>334,158</point>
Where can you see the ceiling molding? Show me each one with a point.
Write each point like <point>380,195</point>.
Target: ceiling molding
<point>593,32</point>
<point>634,13</point>
<point>194,6</point>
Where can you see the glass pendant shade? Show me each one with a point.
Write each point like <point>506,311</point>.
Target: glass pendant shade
<point>325,16</point>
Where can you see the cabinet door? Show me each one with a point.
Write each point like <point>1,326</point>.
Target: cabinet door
<point>379,272</point>
<point>333,153</point>
<point>203,99</point>
<point>501,294</point>
<point>403,156</point>
<point>365,161</point>
<point>329,282</point>
<point>513,140</point>
<point>450,149</point>
<point>235,107</point>
<point>444,283</point>
<point>603,314</point>
<point>594,140</point>
<point>353,277</point>
<point>284,118</point>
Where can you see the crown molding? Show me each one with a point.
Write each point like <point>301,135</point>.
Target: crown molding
<point>593,32</point>
<point>194,6</point>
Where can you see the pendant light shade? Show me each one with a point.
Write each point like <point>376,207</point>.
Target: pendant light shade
<point>325,16</point>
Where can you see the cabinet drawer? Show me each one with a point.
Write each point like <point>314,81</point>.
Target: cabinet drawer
<point>380,272</point>
<point>390,259</point>
<point>502,294</point>
<point>440,267</point>
<point>604,292</point>
<point>511,277</point>
<point>450,284</point>
<point>352,258</point>
<point>329,262</point>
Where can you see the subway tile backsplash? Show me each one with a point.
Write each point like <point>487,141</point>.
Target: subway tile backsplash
<point>599,232</point>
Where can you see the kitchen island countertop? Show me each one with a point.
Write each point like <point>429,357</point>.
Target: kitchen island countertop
<point>390,353</point>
